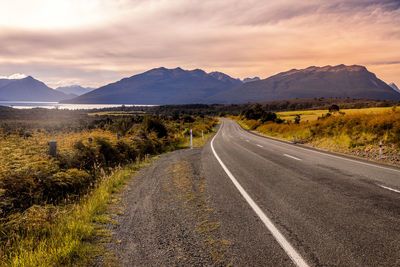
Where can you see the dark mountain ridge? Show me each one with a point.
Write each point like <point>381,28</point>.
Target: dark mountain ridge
<point>28,89</point>
<point>161,86</point>
<point>329,81</point>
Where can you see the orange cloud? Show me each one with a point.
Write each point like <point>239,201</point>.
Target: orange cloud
<point>241,38</point>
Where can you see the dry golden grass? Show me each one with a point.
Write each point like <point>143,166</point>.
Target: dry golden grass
<point>355,129</point>
<point>312,115</point>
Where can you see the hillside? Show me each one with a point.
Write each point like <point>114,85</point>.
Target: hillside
<point>161,86</point>
<point>394,86</point>
<point>75,90</point>
<point>337,81</point>
<point>28,89</point>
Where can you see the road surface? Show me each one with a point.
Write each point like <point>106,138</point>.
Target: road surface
<point>283,204</point>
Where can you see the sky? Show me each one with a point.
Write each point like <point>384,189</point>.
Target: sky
<point>95,42</point>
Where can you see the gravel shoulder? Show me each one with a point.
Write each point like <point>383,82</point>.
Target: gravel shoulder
<point>167,219</point>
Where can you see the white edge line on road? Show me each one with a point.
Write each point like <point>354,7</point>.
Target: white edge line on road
<point>322,153</point>
<point>247,140</point>
<point>388,188</point>
<point>289,156</point>
<point>259,145</point>
<point>290,251</point>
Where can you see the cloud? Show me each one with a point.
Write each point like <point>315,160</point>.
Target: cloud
<point>15,76</point>
<point>242,38</point>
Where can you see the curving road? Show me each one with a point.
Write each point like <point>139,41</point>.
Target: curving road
<point>284,204</point>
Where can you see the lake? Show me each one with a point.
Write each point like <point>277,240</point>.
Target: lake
<point>52,105</point>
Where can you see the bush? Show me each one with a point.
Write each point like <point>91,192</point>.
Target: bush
<point>154,125</point>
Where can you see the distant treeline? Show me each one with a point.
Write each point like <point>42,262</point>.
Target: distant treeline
<point>79,117</point>
<point>272,106</point>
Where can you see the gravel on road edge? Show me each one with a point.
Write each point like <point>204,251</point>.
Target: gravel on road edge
<point>167,219</point>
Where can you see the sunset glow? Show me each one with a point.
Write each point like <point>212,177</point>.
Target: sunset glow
<point>95,42</point>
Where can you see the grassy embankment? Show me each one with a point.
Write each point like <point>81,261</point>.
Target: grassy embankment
<point>51,208</point>
<point>354,131</point>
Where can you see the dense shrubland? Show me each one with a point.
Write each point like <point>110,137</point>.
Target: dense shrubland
<point>35,186</point>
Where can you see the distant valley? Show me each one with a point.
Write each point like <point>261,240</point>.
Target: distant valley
<point>75,90</point>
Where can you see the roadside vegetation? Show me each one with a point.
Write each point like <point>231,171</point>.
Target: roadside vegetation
<point>353,131</point>
<point>52,208</point>
<point>49,206</point>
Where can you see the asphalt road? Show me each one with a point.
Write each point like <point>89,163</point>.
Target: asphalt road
<point>301,206</point>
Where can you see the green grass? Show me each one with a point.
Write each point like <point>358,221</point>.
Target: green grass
<point>69,240</point>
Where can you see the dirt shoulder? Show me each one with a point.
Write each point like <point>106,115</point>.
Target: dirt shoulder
<point>167,219</point>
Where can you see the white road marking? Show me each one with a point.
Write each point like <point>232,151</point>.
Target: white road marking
<point>289,156</point>
<point>388,188</point>
<point>289,249</point>
<point>322,153</point>
<point>259,145</point>
<point>247,140</point>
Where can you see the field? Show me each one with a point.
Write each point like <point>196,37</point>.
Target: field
<point>352,131</point>
<point>49,206</point>
<point>116,113</point>
<point>312,115</point>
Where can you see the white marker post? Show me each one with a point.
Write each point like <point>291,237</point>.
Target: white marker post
<point>191,139</point>
<point>294,139</point>
<point>380,150</point>
<point>202,135</point>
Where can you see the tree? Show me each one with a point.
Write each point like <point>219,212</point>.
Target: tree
<point>297,119</point>
<point>334,108</point>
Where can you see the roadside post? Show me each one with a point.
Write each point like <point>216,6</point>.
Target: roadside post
<point>380,150</point>
<point>202,135</point>
<point>294,139</point>
<point>191,139</point>
<point>52,148</point>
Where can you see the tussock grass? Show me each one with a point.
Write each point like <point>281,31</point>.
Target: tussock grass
<point>358,131</point>
<point>197,141</point>
<point>68,239</point>
<point>52,209</point>
<point>312,115</point>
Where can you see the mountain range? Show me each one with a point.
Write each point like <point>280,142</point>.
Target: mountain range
<point>329,81</point>
<point>177,86</point>
<point>161,86</point>
<point>29,89</point>
<point>75,90</point>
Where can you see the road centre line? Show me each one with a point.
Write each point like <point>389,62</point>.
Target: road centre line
<point>259,145</point>
<point>322,153</point>
<point>287,247</point>
<point>289,156</point>
<point>388,188</point>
